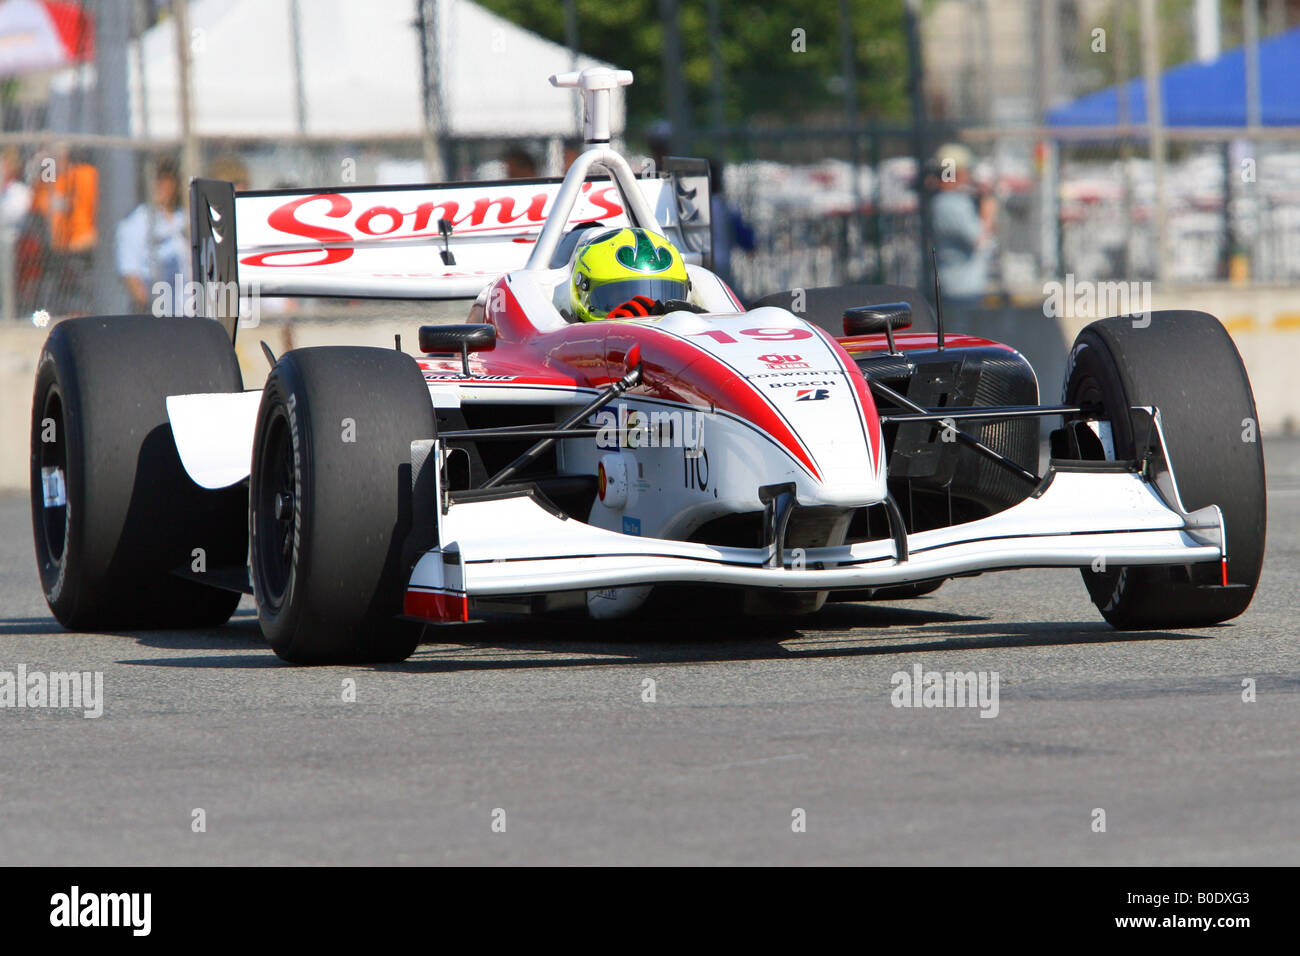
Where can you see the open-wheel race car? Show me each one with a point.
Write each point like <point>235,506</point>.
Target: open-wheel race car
<point>611,432</point>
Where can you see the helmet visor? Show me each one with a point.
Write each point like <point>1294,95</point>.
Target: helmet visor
<point>605,298</point>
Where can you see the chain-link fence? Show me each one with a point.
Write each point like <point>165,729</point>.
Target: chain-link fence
<point>1044,102</point>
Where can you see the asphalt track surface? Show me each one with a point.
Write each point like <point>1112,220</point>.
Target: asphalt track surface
<point>751,721</point>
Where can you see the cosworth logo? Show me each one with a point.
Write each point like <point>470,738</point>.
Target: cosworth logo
<point>800,373</point>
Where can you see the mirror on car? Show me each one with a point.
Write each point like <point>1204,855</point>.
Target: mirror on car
<point>478,337</point>
<point>874,319</point>
<point>458,338</point>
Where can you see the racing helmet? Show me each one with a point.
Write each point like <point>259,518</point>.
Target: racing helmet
<point>633,267</point>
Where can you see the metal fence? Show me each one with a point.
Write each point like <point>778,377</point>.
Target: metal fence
<point>1106,202</point>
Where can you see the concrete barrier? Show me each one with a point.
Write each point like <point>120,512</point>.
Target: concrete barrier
<point>1265,324</point>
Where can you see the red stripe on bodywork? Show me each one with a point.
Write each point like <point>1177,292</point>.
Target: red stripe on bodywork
<point>505,312</point>
<point>679,371</point>
<point>594,353</point>
<point>440,607</point>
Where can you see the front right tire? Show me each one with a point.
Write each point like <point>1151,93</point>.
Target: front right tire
<point>1186,365</point>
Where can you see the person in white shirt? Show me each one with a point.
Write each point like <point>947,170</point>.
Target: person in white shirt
<point>15,195</point>
<point>153,246</point>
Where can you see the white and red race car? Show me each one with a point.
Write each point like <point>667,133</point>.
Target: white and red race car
<point>718,458</point>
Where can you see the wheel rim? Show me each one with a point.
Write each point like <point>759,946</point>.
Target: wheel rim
<point>275,507</point>
<point>52,464</point>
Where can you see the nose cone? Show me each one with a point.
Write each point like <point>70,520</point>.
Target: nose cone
<point>805,392</point>
<point>830,410</point>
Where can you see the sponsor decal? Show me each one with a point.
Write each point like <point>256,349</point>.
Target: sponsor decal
<point>827,383</point>
<point>631,525</point>
<point>783,361</point>
<point>470,211</point>
<point>461,377</point>
<point>801,372</point>
<point>695,470</point>
<point>812,394</point>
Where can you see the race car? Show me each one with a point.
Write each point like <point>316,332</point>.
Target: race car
<point>611,432</point>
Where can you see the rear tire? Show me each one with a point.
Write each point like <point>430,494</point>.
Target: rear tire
<point>128,515</point>
<point>330,503</point>
<point>1186,365</point>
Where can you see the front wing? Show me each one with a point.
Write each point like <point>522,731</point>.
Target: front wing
<point>1082,515</point>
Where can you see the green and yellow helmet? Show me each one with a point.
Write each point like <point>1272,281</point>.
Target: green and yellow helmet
<point>618,266</point>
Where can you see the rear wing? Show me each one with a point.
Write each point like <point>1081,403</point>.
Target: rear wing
<point>444,241</point>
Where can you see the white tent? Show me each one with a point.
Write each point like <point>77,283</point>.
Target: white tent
<point>360,72</point>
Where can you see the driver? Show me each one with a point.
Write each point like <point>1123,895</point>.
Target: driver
<point>626,274</point>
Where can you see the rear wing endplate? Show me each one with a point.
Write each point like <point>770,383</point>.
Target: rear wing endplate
<point>213,251</point>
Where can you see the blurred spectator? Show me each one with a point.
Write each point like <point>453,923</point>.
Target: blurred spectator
<point>231,169</point>
<point>15,195</point>
<point>963,227</point>
<point>728,227</point>
<point>152,244</point>
<point>519,163</point>
<point>572,150</point>
<point>30,233</point>
<point>67,200</point>
<point>15,201</point>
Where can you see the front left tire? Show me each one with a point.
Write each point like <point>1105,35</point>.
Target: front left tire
<point>330,503</point>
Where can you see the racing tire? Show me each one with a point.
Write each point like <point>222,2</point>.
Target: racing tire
<point>330,503</point>
<point>121,515</point>
<point>1186,365</point>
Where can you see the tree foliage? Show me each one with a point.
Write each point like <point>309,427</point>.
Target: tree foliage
<point>766,76</point>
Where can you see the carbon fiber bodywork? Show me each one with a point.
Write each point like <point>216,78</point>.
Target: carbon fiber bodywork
<point>938,481</point>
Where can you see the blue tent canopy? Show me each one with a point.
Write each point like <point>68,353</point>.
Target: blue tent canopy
<point>1203,94</point>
